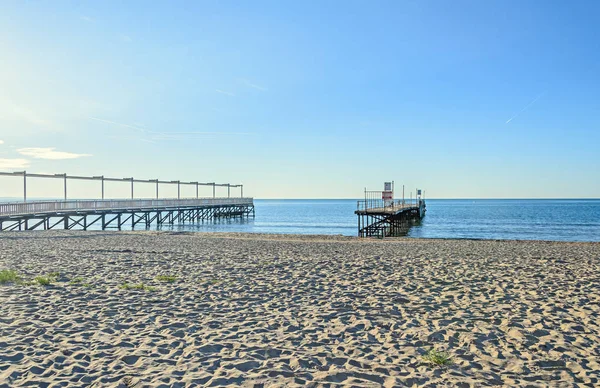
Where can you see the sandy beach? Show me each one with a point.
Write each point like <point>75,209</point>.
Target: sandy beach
<point>164,309</point>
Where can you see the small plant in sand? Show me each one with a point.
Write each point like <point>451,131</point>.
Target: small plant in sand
<point>128,382</point>
<point>437,358</point>
<point>44,280</point>
<point>166,278</point>
<point>79,281</point>
<point>140,286</point>
<point>8,276</point>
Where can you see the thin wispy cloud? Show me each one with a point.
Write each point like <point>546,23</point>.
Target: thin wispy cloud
<point>136,138</point>
<point>205,133</point>
<point>10,164</point>
<point>126,38</point>
<point>224,92</point>
<point>86,19</point>
<point>49,153</point>
<point>254,86</point>
<point>12,111</point>
<point>150,136</point>
<point>119,124</point>
<point>525,108</point>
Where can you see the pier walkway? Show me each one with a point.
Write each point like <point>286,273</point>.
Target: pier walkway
<point>387,219</point>
<point>380,215</point>
<point>119,213</point>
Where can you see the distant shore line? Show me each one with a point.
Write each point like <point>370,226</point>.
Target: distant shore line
<point>284,236</point>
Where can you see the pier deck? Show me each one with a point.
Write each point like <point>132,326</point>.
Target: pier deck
<point>387,219</point>
<point>388,210</point>
<point>118,213</point>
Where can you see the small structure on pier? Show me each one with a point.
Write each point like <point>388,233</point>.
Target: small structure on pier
<point>118,213</point>
<point>380,215</point>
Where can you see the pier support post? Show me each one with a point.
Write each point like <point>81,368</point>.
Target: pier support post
<point>24,186</point>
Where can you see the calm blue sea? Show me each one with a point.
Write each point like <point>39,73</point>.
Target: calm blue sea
<point>517,219</point>
<point>564,219</point>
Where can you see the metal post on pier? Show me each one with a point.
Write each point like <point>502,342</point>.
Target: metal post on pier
<point>131,187</point>
<point>102,180</point>
<point>196,190</point>
<point>157,188</point>
<point>214,190</point>
<point>24,186</point>
<point>228,190</point>
<point>64,183</point>
<point>178,190</point>
<point>242,191</point>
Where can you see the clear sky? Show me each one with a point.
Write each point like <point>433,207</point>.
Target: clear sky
<point>305,99</point>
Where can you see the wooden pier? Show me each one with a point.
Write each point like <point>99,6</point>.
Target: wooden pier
<point>379,215</point>
<point>120,213</point>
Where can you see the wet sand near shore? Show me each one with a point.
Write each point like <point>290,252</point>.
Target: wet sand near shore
<point>219,309</point>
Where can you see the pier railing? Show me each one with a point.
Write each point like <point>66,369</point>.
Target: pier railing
<point>21,208</point>
<point>370,204</point>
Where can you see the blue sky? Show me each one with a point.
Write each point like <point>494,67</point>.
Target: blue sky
<point>488,99</point>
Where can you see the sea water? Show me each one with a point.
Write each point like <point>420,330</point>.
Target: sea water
<point>514,219</point>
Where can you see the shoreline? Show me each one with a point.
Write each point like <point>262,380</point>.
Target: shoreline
<point>283,236</point>
<point>209,308</point>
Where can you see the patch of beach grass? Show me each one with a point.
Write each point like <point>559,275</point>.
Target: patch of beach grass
<point>8,276</point>
<point>79,281</point>
<point>437,358</point>
<point>166,278</point>
<point>44,280</point>
<point>129,383</point>
<point>139,286</point>
<point>214,281</point>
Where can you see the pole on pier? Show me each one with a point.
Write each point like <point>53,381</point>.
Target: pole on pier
<point>24,186</point>
<point>131,187</point>
<point>65,186</point>
<point>156,188</point>
<point>214,190</point>
<point>242,191</point>
<point>402,195</point>
<point>196,190</point>
<point>228,190</point>
<point>178,190</point>
<point>102,179</point>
